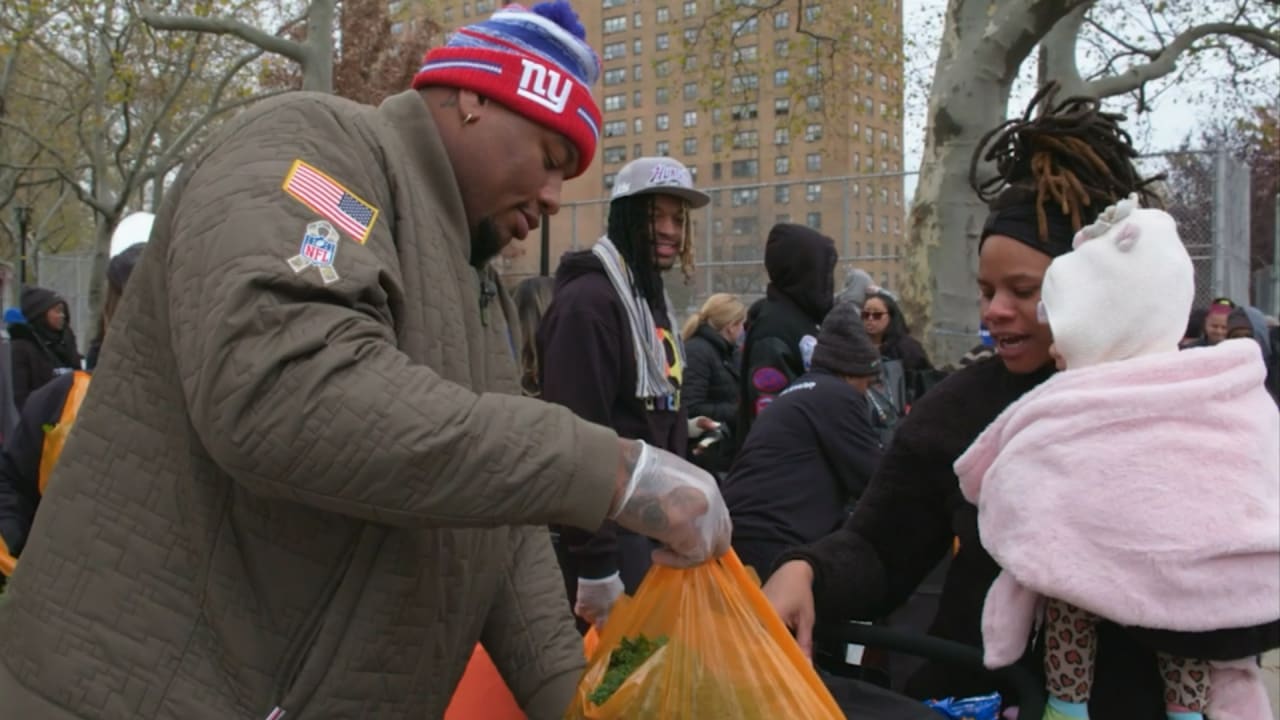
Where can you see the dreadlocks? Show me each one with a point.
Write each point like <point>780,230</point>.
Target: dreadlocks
<point>631,229</point>
<point>1070,160</point>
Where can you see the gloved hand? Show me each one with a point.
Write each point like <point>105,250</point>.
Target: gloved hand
<point>701,424</point>
<point>676,503</point>
<point>596,598</point>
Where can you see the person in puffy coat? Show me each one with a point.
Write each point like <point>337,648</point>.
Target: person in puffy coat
<point>710,390</point>
<point>43,346</point>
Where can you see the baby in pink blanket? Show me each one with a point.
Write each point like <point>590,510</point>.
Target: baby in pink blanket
<point>1095,495</point>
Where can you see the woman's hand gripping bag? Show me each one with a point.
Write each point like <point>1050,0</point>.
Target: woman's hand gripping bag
<point>699,643</point>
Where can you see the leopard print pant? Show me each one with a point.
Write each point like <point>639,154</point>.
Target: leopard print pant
<point>1071,647</point>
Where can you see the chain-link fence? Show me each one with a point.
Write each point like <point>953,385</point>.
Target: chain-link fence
<point>867,215</point>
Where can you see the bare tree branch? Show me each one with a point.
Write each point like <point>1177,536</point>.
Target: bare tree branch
<point>228,26</point>
<point>1165,61</point>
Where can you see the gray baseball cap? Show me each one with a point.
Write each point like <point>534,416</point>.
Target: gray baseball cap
<point>658,176</point>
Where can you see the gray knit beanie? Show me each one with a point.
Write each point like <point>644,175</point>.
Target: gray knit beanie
<point>843,345</point>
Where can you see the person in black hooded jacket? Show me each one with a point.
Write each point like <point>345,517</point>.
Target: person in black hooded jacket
<point>801,263</point>
<point>43,347</point>
<point>611,353</point>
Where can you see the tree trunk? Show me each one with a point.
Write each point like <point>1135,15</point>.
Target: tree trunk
<point>317,71</point>
<point>1058,54</point>
<point>983,46</point>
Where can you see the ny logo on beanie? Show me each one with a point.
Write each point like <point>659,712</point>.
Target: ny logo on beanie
<point>544,86</point>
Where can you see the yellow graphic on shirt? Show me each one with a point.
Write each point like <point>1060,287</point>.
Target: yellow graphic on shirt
<point>675,368</point>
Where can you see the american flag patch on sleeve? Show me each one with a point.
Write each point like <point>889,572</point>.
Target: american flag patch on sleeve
<point>331,200</point>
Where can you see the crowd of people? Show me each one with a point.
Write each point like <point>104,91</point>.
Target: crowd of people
<point>325,453</point>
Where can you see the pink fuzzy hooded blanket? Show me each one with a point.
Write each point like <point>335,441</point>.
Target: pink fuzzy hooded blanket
<point>1146,491</point>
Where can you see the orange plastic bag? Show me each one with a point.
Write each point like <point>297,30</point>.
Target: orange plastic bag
<point>726,655</point>
<point>482,694</point>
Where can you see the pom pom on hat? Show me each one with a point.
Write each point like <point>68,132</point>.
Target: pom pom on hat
<point>534,61</point>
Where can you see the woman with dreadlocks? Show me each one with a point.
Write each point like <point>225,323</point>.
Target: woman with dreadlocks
<point>1059,166</point>
<point>611,353</point>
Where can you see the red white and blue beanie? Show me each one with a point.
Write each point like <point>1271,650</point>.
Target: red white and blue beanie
<point>534,61</point>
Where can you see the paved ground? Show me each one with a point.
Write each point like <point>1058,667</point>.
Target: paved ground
<point>1271,668</point>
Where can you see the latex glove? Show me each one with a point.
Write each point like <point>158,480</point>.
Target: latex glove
<point>702,424</point>
<point>596,598</point>
<point>676,503</point>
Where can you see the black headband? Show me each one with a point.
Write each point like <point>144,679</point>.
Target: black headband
<point>1020,222</point>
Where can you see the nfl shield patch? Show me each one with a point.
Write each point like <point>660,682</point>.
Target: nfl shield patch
<point>319,249</point>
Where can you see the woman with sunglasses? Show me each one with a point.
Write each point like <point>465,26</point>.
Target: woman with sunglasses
<point>885,324</point>
<point>1056,172</point>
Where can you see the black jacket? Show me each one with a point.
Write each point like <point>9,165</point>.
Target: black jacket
<point>808,456</point>
<point>711,376</point>
<point>20,461</point>
<point>588,365</point>
<point>800,262</point>
<point>39,355</point>
<point>908,519</point>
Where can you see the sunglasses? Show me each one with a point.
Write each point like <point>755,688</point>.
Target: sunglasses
<point>872,315</point>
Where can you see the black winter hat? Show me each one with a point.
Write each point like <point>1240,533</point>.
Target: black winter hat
<point>844,347</point>
<point>36,301</point>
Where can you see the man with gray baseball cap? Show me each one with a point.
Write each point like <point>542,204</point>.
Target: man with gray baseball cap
<point>612,353</point>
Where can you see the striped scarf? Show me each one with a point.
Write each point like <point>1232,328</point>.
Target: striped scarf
<point>650,356</point>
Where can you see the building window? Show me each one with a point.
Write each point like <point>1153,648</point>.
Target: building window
<point>782,194</point>
<point>662,41</point>
<point>613,3</point>
<point>745,27</point>
<point>813,220</point>
<point>745,196</point>
<point>662,95</point>
<point>663,68</point>
<point>664,14</point>
<point>781,106</point>
<point>615,50</point>
<point>663,148</point>
<point>782,165</point>
<point>637,20</point>
<point>884,196</point>
<point>691,146</point>
<point>637,72</point>
<point>637,99</point>
<point>741,83</point>
<point>870,225</point>
<point>637,126</point>
<point>608,180</point>
<point>782,20</point>
<point>884,139</point>
<point>783,218</point>
<point>637,150</point>
<point>813,162</point>
<point>781,77</point>
<point>615,154</point>
<point>690,118</point>
<point>813,102</point>
<point>745,111</point>
<point>615,102</point>
<point>781,136</point>
<point>745,168</point>
<point>691,63</point>
<point>716,115</point>
<point>746,54</point>
<point>663,121</point>
<point>615,24</point>
<point>691,91</point>
<point>614,128</point>
<point>884,230</point>
<point>690,37</point>
<point>637,47</point>
<point>746,139</point>
<point>813,192</point>
<point>869,135</point>
<point>813,71</point>
<point>690,8</point>
<point>781,47</point>
<point>814,11</point>
<point>616,76</point>
<point>813,132</point>
<point>716,171</point>
<point>717,143</point>
<point>746,225</point>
